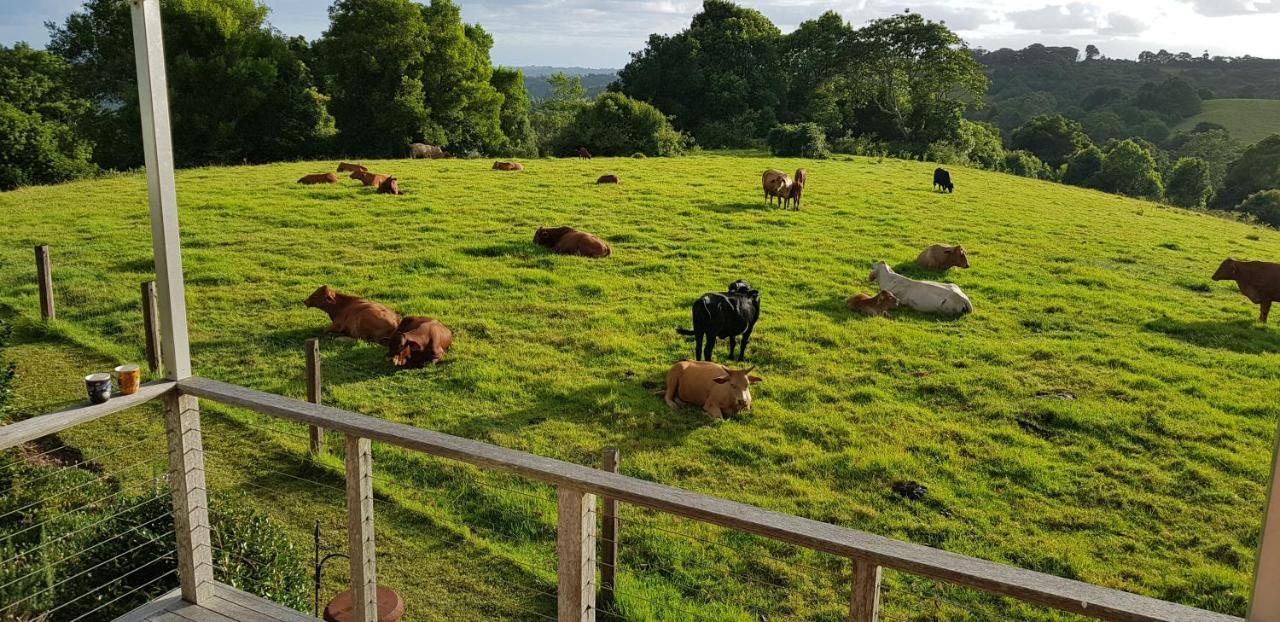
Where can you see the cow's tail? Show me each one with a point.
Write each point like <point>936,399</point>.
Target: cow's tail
<point>686,332</point>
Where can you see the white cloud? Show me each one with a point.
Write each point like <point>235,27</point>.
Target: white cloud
<point>1221,8</point>
<point>1124,25</point>
<point>1058,18</point>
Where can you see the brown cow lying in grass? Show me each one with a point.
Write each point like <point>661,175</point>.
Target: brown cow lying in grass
<point>717,389</point>
<point>355,317</point>
<point>419,341</point>
<point>319,178</point>
<point>390,186</point>
<point>570,241</point>
<point>873,306</point>
<point>943,257</point>
<point>368,179</point>
<point>345,167</point>
<point>608,179</point>
<point>1259,281</point>
<point>508,166</point>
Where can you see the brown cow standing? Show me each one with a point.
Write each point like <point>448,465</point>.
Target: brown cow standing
<point>873,306</point>
<point>943,257</point>
<point>1259,281</point>
<point>346,167</point>
<point>608,179</point>
<point>419,341</point>
<point>583,153</point>
<point>390,186</point>
<point>319,178</point>
<point>355,317</point>
<point>570,241</point>
<point>797,187</point>
<point>368,179</point>
<point>508,166</point>
<point>717,389</point>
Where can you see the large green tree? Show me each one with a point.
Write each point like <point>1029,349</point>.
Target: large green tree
<point>617,125</point>
<point>1053,138</point>
<point>1258,168</point>
<point>38,115</point>
<point>514,115</point>
<point>1129,168</point>
<point>553,114</point>
<point>238,89</point>
<point>1190,183</point>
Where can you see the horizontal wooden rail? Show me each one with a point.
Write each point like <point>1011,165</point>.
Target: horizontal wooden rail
<point>1056,592</point>
<point>52,423</point>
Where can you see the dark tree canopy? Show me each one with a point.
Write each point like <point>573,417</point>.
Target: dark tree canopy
<point>1190,184</point>
<point>1053,138</point>
<point>1257,169</point>
<point>616,125</point>
<point>38,115</point>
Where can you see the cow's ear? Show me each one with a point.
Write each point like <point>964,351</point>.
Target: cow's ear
<point>330,295</point>
<point>754,379</point>
<point>720,379</point>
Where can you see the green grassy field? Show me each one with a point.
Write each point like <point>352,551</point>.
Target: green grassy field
<point>1248,120</point>
<point>1151,479</point>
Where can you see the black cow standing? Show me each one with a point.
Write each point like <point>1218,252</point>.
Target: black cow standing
<point>728,315</point>
<point>942,181</point>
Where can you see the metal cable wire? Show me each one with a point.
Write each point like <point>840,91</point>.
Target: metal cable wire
<point>94,567</point>
<point>86,461</point>
<point>63,514</point>
<point>654,602</point>
<point>82,485</point>
<point>69,534</point>
<point>168,555</point>
<point>64,558</point>
<point>147,584</point>
<point>641,525</point>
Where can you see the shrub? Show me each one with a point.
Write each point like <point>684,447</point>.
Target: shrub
<point>1129,168</point>
<point>616,125</point>
<point>1189,184</point>
<point>1026,165</point>
<point>34,150</point>
<point>1258,168</point>
<point>1265,206</point>
<point>1083,168</point>
<point>862,145</point>
<point>804,140</point>
<point>1052,138</point>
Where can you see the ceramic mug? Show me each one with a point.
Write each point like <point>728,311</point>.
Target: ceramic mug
<point>98,387</point>
<point>128,376</point>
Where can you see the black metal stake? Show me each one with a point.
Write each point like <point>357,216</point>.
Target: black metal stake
<point>320,562</point>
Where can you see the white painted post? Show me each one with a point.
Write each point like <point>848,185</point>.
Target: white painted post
<point>576,554</point>
<point>1264,605</point>
<point>360,550</point>
<point>182,413</point>
<point>864,601</point>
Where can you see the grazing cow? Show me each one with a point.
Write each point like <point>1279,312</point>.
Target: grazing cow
<point>347,167</point>
<point>797,187</point>
<point>942,181</point>
<point>923,296</point>
<point>508,166</point>
<point>355,317</point>
<point>1259,281</point>
<point>776,185</point>
<point>717,389</point>
<point>417,342</point>
<point>389,186</point>
<point>873,306</point>
<point>369,179</point>
<point>943,257</point>
<point>420,150</point>
<point>319,178</point>
<point>570,241</point>
<point>608,179</point>
<point>724,316</point>
<point>583,153</point>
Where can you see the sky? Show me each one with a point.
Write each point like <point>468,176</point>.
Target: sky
<point>602,33</point>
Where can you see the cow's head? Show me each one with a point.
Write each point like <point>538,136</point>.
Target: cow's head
<point>957,257</point>
<point>877,269</point>
<point>357,174</point>
<point>542,236</point>
<point>1229,270</point>
<point>740,287</point>
<point>323,296</point>
<point>888,299</point>
<point>737,383</point>
<point>399,350</point>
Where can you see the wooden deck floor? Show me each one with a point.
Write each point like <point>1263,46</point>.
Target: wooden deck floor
<point>229,605</point>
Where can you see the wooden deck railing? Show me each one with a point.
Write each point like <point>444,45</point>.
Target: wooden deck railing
<point>578,487</point>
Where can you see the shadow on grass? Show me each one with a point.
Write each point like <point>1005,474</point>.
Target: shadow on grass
<point>1242,336</point>
<point>734,208</point>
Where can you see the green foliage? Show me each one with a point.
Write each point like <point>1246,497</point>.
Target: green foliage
<point>1258,168</point>
<point>1052,138</point>
<point>551,115</point>
<point>1084,168</point>
<point>1190,184</point>
<point>1174,98</point>
<point>982,143</point>
<point>1026,164</point>
<point>38,115</point>
<point>1265,206</point>
<point>615,125</point>
<point>258,557</point>
<point>238,89</point>
<point>1213,145</point>
<point>799,140</point>
<point>8,372</point>
<point>514,116</point>
<point>1128,168</point>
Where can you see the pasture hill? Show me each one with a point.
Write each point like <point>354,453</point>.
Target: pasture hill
<point>1106,413</point>
<point>1248,120</point>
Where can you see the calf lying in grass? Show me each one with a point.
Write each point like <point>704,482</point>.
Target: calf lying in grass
<point>355,317</point>
<point>419,341</point>
<point>873,306</point>
<point>570,241</point>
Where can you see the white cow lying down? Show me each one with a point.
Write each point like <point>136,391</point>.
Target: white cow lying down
<point>923,296</point>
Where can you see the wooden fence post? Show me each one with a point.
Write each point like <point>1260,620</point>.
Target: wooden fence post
<point>576,552</point>
<point>313,392</point>
<point>610,461</point>
<point>864,602</point>
<point>1264,604</point>
<point>364,576</point>
<point>150,313</point>
<point>44,276</point>
<point>190,501</point>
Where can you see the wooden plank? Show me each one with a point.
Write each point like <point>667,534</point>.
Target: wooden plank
<point>44,277</point>
<point>1264,604</point>
<point>1059,593</point>
<point>360,541</point>
<point>611,527</point>
<point>576,555</point>
<point>314,392</point>
<point>238,612</point>
<point>31,429</point>
<point>190,502</point>
<point>169,600</point>
<point>259,604</point>
<point>196,613</point>
<point>151,327</point>
<point>864,600</point>
<point>162,196</point>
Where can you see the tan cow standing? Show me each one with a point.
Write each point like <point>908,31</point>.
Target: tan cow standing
<point>717,389</point>
<point>776,185</point>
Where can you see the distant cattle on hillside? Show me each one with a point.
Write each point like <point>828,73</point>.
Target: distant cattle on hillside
<point>942,181</point>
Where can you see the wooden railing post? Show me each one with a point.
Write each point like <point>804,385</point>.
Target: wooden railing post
<point>864,601</point>
<point>150,314</point>
<point>190,501</point>
<point>1264,605</point>
<point>610,461</point>
<point>313,392</point>
<point>576,552</point>
<point>44,276</point>
<point>364,576</point>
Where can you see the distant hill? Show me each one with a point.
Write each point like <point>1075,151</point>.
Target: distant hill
<point>595,80</point>
<point>546,70</point>
<point>1248,120</point>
